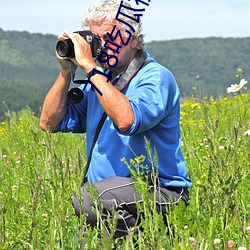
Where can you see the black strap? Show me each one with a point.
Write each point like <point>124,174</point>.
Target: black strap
<point>136,64</point>
<point>97,132</point>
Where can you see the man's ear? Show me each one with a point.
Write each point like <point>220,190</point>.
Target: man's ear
<point>134,42</point>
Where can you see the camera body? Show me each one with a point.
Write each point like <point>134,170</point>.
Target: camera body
<point>65,48</point>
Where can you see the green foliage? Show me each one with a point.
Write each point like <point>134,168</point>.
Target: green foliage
<point>36,184</point>
<point>40,172</point>
<point>28,58</point>
<point>14,95</point>
<point>28,68</point>
<point>216,146</point>
<point>208,62</point>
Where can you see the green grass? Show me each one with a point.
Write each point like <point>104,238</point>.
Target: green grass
<point>40,172</point>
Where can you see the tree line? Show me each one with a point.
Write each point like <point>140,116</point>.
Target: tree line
<point>202,67</point>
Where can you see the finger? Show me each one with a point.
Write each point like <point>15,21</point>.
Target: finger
<point>69,60</point>
<point>62,36</point>
<point>59,57</point>
<point>75,37</point>
<point>69,34</point>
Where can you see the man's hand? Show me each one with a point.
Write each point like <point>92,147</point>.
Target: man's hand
<point>66,63</point>
<point>83,54</point>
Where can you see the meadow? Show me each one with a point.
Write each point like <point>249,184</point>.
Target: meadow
<point>40,172</point>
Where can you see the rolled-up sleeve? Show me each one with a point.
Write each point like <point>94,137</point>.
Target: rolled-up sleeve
<point>152,99</point>
<point>75,118</point>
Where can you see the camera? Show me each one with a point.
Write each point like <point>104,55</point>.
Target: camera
<point>65,48</point>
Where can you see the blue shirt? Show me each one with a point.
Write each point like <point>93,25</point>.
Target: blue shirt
<point>154,97</point>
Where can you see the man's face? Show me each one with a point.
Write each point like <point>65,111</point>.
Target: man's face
<point>126,53</point>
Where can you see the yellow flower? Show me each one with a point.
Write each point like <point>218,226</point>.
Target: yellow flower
<point>240,70</point>
<point>132,162</point>
<point>138,160</point>
<point>195,105</point>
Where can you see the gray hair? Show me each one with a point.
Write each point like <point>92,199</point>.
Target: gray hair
<point>107,10</point>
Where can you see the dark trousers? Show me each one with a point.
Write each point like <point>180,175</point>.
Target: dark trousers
<point>119,194</point>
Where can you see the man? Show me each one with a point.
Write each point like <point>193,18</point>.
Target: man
<point>141,100</point>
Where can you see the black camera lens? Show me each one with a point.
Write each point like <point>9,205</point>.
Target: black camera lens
<point>75,95</point>
<point>65,48</point>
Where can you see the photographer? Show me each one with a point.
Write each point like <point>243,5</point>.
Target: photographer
<point>141,100</point>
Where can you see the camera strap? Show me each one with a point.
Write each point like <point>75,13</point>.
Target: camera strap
<point>136,64</point>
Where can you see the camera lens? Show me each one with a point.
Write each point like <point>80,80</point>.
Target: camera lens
<point>75,95</point>
<point>65,48</point>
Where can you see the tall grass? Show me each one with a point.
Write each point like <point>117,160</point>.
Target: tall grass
<point>40,172</point>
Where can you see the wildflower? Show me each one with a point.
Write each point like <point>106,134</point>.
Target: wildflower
<point>22,210</point>
<point>230,244</point>
<point>192,240</point>
<point>132,162</point>
<point>240,70</point>
<point>123,160</point>
<point>237,87</point>
<point>195,106</point>
<point>248,230</point>
<point>221,147</point>
<point>242,248</point>
<point>45,216</point>
<point>216,241</point>
<point>247,133</point>
<point>198,182</point>
<point>137,159</point>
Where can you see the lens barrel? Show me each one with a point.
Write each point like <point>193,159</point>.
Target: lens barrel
<point>65,48</point>
<point>75,95</point>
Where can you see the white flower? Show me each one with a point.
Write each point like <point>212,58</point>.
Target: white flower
<point>217,241</point>
<point>237,87</point>
<point>248,230</point>
<point>242,248</point>
<point>192,240</point>
<point>247,133</point>
<point>14,188</point>
<point>22,210</point>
